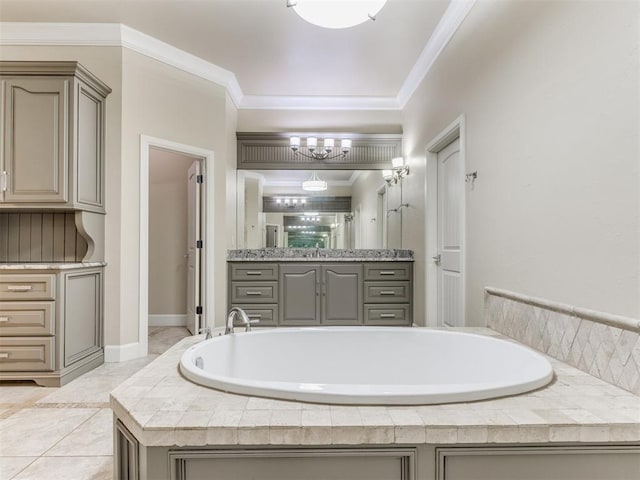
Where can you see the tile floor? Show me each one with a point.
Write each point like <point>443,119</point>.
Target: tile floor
<point>66,433</point>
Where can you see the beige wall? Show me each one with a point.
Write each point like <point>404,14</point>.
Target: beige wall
<point>168,186</point>
<point>167,103</point>
<point>550,91</point>
<point>365,202</point>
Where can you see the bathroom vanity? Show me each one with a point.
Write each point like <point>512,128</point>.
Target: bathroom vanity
<point>310,287</point>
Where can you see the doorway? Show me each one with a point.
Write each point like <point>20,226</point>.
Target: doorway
<point>445,228</point>
<point>173,223</point>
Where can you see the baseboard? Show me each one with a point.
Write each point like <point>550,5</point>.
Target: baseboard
<point>170,320</point>
<point>121,353</point>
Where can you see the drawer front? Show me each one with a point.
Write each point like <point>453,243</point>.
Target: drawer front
<point>27,287</point>
<point>253,271</point>
<point>254,292</point>
<point>388,315</point>
<point>388,271</point>
<point>391,292</point>
<point>267,315</point>
<point>26,354</point>
<point>26,318</point>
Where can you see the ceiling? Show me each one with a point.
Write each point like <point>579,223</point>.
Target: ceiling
<point>287,178</point>
<point>270,49</point>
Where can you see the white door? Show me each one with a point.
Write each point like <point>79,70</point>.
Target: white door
<point>450,235</point>
<point>194,249</point>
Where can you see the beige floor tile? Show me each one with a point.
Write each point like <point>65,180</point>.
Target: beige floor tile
<point>85,390</point>
<point>163,338</point>
<point>68,468</point>
<point>11,466</point>
<point>21,394</point>
<point>33,431</point>
<point>93,437</point>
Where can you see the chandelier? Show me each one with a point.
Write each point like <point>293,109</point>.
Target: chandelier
<point>325,151</point>
<point>314,184</point>
<point>337,13</point>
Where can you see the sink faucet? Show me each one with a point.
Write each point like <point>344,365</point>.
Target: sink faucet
<point>234,313</point>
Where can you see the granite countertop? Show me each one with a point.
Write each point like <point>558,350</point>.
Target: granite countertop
<point>161,408</point>
<point>319,255</point>
<point>50,266</point>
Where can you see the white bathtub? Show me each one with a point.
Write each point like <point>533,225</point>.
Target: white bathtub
<point>366,365</point>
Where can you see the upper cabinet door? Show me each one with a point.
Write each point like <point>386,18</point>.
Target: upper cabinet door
<point>36,119</point>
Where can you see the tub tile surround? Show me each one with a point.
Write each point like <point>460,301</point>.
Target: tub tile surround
<point>322,254</point>
<point>602,345</point>
<point>576,407</point>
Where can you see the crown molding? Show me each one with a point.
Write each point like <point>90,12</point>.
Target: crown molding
<point>118,35</point>
<point>448,25</point>
<point>275,102</point>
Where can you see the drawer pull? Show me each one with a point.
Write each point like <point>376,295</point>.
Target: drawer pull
<point>254,293</point>
<point>387,315</point>
<point>387,292</point>
<point>254,273</point>
<point>4,319</point>
<point>4,355</point>
<point>385,272</point>
<point>255,315</point>
<point>19,288</point>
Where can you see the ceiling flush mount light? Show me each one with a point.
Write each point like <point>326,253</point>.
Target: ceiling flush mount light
<point>337,13</point>
<point>324,153</point>
<point>314,184</point>
<point>398,171</point>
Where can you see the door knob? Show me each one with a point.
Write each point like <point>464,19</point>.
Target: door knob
<point>437,258</point>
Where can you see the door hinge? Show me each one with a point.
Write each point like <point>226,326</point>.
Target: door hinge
<point>199,179</point>
<point>198,243</point>
<point>199,310</point>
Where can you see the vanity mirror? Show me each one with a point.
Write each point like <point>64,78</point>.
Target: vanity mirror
<point>358,209</point>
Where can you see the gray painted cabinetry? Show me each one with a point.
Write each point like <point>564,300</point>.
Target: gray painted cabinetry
<point>294,294</point>
<point>53,119</point>
<point>50,324</point>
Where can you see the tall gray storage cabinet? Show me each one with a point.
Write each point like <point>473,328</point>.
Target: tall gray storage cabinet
<point>52,210</point>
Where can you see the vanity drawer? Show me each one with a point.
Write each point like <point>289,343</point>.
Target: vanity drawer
<point>388,271</point>
<point>252,271</point>
<point>388,292</point>
<point>27,287</point>
<point>26,354</point>
<point>266,314</point>
<point>254,292</point>
<point>387,315</point>
<point>26,318</point>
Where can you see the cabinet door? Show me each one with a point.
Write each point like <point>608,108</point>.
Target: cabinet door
<point>342,295</point>
<point>36,140</point>
<point>299,295</point>
<point>82,315</point>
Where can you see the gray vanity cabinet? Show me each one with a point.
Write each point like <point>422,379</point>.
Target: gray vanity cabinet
<point>312,293</point>
<point>53,121</point>
<point>320,294</point>
<point>341,295</point>
<point>299,294</point>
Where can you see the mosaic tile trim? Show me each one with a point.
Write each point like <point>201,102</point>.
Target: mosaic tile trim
<point>312,254</point>
<point>604,348</point>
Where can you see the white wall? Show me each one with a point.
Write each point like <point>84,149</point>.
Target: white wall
<point>168,232</point>
<point>365,202</point>
<point>550,91</point>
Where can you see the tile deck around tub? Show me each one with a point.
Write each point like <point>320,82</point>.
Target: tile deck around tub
<point>161,408</point>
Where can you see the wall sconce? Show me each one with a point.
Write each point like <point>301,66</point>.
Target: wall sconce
<point>398,171</point>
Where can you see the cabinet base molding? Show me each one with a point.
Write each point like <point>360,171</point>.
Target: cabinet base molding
<point>57,379</point>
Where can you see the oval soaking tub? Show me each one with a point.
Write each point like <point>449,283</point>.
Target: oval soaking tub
<point>365,365</point>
